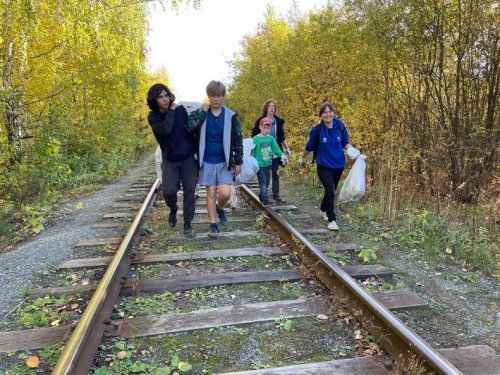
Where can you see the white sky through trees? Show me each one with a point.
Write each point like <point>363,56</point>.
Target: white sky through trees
<point>195,45</point>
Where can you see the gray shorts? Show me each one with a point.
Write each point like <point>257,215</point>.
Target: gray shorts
<point>215,175</point>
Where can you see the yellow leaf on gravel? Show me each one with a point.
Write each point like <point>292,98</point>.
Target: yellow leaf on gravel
<point>121,355</point>
<point>56,323</point>
<point>33,362</point>
<point>79,206</point>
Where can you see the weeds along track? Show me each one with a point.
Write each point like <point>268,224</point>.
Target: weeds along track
<point>265,297</point>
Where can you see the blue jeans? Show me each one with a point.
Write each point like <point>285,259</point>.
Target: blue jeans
<point>263,175</point>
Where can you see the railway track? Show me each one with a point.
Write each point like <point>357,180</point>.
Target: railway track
<point>263,286</point>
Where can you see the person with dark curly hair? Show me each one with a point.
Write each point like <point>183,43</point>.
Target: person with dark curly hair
<point>178,148</point>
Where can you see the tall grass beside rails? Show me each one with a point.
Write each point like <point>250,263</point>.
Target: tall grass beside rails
<point>411,219</point>
<point>30,189</point>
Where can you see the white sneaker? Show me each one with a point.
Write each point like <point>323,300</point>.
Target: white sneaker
<point>324,215</point>
<point>332,225</point>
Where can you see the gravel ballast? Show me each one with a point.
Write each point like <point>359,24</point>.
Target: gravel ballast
<point>22,264</point>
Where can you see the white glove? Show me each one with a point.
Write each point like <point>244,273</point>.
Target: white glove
<point>352,152</point>
<point>288,153</point>
<point>302,162</point>
<point>284,159</point>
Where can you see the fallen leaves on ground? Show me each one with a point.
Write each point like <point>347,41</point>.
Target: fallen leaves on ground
<point>33,362</point>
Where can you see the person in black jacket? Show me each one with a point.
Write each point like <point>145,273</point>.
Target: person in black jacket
<point>178,148</point>
<point>270,110</point>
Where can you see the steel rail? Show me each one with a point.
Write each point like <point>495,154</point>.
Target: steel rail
<point>82,346</point>
<point>405,347</point>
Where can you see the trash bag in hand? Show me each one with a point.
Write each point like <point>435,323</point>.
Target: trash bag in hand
<point>354,185</point>
<point>158,160</point>
<point>249,168</point>
<point>352,152</point>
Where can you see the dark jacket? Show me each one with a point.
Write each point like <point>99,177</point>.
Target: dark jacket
<point>280,133</point>
<point>169,129</point>
<point>233,143</point>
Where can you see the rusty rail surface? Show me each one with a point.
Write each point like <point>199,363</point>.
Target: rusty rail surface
<point>81,348</point>
<point>404,346</point>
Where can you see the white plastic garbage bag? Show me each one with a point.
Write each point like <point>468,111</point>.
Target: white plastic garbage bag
<point>158,162</point>
<point>354,185</point>
<point>248,146</point>
<point>249,168</point>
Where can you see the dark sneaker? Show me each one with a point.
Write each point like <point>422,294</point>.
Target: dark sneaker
<point>188,230</point>
<point>277,198</point>
<point>172,218</point>
<point>222,216</point>
<point>265,203</point>
<point>213,232</point>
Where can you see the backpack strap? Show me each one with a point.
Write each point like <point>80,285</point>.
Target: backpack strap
<point>316,141</point>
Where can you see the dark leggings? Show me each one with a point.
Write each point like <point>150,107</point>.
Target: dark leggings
<point>330,179</point>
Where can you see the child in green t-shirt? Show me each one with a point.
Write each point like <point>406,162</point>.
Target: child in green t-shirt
<point>265,148</point>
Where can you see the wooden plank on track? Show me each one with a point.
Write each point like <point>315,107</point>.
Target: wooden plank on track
<point>99,242</point>
<point>189,256</point>
<point>368,270</point>
<point>132,206</point>
<point>476,359</point>
<point>177,257</point>
<point>286,207</point>
<point>179,283</point>
<point>129,199</point>
<point>187,282</point>
<point>118,224</point>
<point>349,366</point>
<point>33,338</point>
<point>202,236</point>
<point>233,220</point>
<point>154,325</point>
<point>235,234</point>
<point>399,299</point>
<point>117,215</point>
<point>246,209</point>
<point>314,231</point>
<point>222,316</point>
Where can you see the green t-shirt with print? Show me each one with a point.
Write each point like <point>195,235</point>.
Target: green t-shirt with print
<point>264,149</point>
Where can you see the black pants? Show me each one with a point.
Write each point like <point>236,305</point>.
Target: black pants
<point>330,179</point>
<point>173,174</point>
<point>275,177</point>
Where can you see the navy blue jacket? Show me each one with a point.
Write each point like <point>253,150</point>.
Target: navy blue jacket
<point>330,152</point>
<point>169,129</point>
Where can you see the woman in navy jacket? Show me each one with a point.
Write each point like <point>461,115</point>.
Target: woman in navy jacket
<point>328,146</point>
